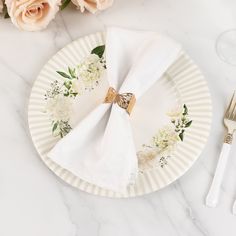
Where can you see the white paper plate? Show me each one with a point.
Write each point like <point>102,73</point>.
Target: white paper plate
<point>183,83</point>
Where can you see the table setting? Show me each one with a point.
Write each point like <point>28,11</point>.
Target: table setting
<point>124,125</point>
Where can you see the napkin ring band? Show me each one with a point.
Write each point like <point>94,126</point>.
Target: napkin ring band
<point>124,100</point>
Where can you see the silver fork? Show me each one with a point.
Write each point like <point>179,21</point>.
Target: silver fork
<point>230,124</point>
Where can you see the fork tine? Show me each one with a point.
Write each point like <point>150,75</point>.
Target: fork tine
<point>230,108</point>
<point>234,111</point>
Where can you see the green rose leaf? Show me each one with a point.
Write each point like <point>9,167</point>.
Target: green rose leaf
<point>6,15</point>
<point>99,51</point>
<point>64,4</point>
<point>4,11</point>
<point>63,74</point>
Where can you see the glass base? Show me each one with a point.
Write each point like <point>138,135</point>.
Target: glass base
<point>226,46</point>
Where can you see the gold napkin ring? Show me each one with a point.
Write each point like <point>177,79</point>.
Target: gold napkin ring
<point>124,100</point>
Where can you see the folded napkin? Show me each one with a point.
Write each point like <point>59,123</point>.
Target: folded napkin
<point>100,149</point>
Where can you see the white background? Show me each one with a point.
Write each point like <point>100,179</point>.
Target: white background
<point>33,202</point>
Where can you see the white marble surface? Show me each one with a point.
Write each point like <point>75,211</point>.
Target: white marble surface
<point>33,202</point>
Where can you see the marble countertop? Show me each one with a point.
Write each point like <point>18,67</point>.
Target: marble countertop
<point>34,202</point>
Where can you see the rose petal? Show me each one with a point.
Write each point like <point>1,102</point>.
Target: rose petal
<point>32,15</point>
<point>92,5</point>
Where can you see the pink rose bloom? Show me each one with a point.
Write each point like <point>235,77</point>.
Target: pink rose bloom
<point>92,5</point>
<point>32,15</point>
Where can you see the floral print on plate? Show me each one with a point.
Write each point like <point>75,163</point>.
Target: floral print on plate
<point>59,97</point>
<point>165,141</point>
<point>85,77</point>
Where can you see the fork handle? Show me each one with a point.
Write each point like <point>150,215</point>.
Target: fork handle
<point>234,208</point>
<point>214,192</point>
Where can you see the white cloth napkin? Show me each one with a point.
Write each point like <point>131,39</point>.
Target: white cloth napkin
<point>100,149</point>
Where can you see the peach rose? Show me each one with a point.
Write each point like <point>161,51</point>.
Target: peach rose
<point>92,5</point>
<point>1,6</point>
<point>32,15</point>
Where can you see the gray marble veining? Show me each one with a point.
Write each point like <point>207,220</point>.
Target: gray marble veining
<point>35,202</point>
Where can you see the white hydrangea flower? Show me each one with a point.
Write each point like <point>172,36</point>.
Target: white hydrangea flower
<point>166,139</point>
<point>77,86</point>
<point>90,70</point>
<point>175,112</point>
<point>146,156</point>
<point>59,108</point>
